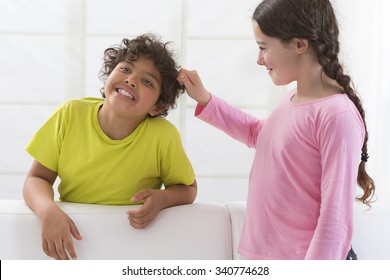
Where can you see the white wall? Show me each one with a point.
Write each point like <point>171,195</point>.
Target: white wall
<point>51,51</point>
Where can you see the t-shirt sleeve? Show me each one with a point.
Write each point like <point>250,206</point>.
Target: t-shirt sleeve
<point>45,144</point>
<point>175,165</point>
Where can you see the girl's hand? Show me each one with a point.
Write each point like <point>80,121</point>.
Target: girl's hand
<point>194,86</point>
<point>57,232</point>
<point>154,202</point>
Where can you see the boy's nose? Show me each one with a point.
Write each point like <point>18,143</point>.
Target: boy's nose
<point>131,82</point>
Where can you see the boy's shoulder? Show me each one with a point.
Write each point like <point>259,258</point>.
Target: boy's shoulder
<point>161,122</point>
<point>85,101</point>
<point>161,125</point>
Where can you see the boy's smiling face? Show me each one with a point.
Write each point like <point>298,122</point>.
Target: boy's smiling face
<point>133,88</point>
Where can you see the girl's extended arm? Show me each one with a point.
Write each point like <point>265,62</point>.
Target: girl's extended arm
<point>57,227</point>
<point>241,126</point>
<point>156,200</point>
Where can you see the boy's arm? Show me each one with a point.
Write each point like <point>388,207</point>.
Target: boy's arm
<point>156,200</point>
<point>57,227</point>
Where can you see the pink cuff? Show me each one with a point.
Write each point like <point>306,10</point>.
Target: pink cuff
<point>199,109</point>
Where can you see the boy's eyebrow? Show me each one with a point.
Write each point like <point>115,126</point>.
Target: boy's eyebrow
<point>146,72</point>
<point>154,77</point>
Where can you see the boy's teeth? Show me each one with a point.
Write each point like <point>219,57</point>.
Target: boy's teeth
<point>121,91</point>
<point>125,93</point>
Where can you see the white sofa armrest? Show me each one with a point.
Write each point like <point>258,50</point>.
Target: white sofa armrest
<point>195,231</point>
<point>237,210</point>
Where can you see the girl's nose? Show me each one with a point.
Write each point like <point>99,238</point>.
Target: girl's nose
<point>260,60</point>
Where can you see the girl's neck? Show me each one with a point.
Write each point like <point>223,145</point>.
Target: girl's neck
<point>315,85</point>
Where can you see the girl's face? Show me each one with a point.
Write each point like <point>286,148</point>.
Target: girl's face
<point>280,59</point>
<point>133,88</point>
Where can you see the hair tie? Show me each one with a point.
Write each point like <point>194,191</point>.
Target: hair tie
<point>364,157</point>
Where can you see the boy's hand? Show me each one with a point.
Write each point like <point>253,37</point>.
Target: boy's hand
<point>57,231</point>
<point>153,203</point>
<point>194,86</point>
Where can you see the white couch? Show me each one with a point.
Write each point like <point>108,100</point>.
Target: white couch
<point>197,231</point>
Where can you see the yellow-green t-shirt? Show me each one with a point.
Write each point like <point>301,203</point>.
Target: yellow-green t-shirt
<point>96,169</point>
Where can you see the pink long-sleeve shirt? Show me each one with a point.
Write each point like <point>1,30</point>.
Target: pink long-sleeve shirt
<point>303,178</point>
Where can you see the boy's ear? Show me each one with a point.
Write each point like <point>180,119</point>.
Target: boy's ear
<point>301,45</point>
<point>154,112</point>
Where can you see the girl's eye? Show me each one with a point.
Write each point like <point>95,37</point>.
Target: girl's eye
<point>262,48</point>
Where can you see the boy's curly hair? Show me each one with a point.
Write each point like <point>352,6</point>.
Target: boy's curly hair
<point>147,46</point>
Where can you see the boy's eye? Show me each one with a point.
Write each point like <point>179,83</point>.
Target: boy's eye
<point>147,82</point>
<point>124,69</point>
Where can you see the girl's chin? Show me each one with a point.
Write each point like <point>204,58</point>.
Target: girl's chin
<point>278,82</point>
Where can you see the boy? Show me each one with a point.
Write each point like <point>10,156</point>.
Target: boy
<point>117,150</point>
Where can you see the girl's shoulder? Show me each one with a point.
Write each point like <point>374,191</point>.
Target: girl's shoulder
<point>337,103</point>
<point>332,103</point>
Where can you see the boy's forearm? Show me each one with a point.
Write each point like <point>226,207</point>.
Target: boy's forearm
<point>180,194</point>
<point>38,194</point>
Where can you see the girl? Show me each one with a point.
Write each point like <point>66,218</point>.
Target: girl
<point>301,186</point>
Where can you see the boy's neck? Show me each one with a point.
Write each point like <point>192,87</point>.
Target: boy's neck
<point>115,126</point>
